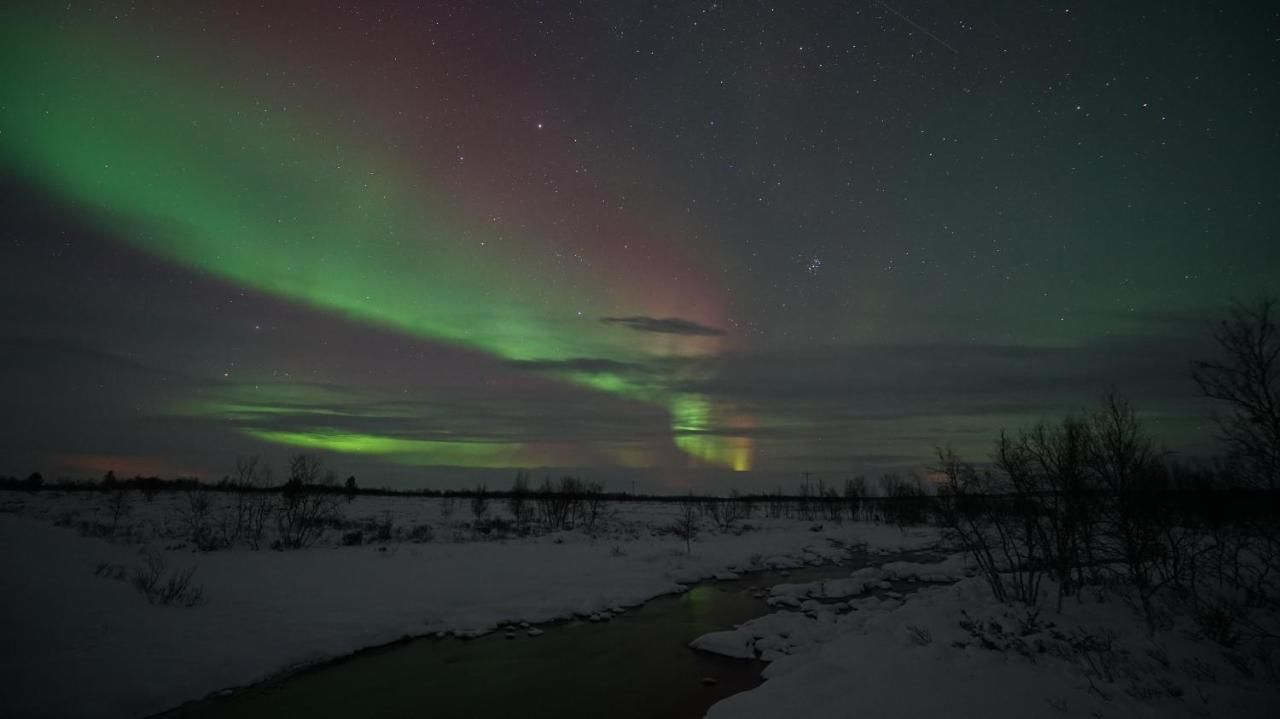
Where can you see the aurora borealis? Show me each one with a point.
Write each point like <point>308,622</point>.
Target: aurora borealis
<point>616,237</point>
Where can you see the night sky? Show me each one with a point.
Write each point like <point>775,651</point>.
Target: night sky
<point>689,244</point>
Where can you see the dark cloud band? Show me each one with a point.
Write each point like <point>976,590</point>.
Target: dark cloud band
<point>664,325</point>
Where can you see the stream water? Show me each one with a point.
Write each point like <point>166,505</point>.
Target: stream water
<point>638,664</point>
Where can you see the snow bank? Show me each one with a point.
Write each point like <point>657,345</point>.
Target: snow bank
<point>930,655</point>
<point>868,579</point>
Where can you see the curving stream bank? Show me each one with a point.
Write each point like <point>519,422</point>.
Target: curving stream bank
<point>638,664</point>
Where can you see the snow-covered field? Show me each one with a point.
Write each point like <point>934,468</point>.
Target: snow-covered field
<point>81,640</point>
<point>903,639</point>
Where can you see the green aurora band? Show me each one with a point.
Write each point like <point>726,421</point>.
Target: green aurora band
<point>185,168</point>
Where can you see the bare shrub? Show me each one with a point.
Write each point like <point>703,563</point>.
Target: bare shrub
<point>1246,379</point>
<point>194,513</point>
<point>494,527</point>
<point>993,636</point>
<point>805,505</point>
<point>163,587</point>
<point>1200,670</point>
<point>88,528</point>
<point>1219,620</point>
<point>111,571</point>
<point>1241,663</point>
<point>775,503</point>
<point>904,502</point>
<point>1268,660</point>
<point>854,490</point>
<point>306,506</point>
<point>119,506</point>
<point>1051,461</point>
<point>1125,463</point>
<point>480,502</point>
<point>245,517</point>
<point>1097,652</point>
<point>383,528</point>
<point>832,507</point>
<point>590,505</point>
<point>1160,656</point>
<point>519,503</point>
<point>1099,658</point>
<point>686,523</point>
<point>994,521</point>
<point>919,636</point>
<point>422,533</point>
<point>722,513</point>
<point>557,504</point>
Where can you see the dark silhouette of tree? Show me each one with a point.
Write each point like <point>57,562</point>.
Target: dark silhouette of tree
<point>306,506</point>
<point>119,505</point>
<point>1125,462</point>
<point>245,517</point>
<point>1246,379</point>
<point>304,471</point>
<point>518,501</point>
<point>480,502</point>
<point>686,524</point>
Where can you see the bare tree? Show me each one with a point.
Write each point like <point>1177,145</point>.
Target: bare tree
<point>480,502</point>
<point>119,505</point>
<point>686,524</point>
<point>518,502</point>
<point>854,490</point>
<point>245,516</point>
<point>831,503</point>
<point>254,490</point>
<point>304,470</point>
<point>1246,381</point>
<point>724,513</point>
<point>988,519</point>
<point>557,504</point>
<point>1125,461</point>
<point>776,503</point>
<point>306,506</point>
<point>194,514</point>
<point>1057,472</point>
<point>1246,378</point>
<point>591,505</point>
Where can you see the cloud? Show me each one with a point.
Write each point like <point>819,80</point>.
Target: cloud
<point>585,365</point>
<point>664,325</point>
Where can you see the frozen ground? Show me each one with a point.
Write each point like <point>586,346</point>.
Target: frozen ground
<point>856,647</point>
<point>82,641</point>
